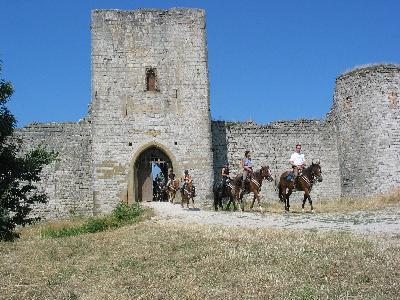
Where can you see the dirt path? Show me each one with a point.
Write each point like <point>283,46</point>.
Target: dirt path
<point>379,222</point>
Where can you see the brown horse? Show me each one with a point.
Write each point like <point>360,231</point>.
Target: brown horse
<point>229,191</point>
<point>304,183</point>
<point>187,194</point>
<point>253,186</point>
<point>171,190</point>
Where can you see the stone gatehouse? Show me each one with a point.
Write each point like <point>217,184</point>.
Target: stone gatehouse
<point>150,105</point>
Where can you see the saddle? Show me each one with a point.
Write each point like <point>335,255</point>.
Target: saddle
<point>290,175</point>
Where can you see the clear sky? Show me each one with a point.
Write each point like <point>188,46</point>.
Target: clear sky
<point>268,60</point>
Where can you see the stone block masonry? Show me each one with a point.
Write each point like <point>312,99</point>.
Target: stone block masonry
<point>273,145</point>
<point>68,180</point>
<point>366,114</point>
<point>150,91</point>
<point>129,117</point>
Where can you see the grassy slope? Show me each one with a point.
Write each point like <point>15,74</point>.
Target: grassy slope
<point>150,261</point>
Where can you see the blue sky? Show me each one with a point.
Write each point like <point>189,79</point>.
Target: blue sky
<point>268,60</point>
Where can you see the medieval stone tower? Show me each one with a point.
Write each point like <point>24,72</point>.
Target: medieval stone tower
<point>366,115</point>
<point>150,101</point>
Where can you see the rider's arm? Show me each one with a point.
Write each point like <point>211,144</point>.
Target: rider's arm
<point>291,160</point>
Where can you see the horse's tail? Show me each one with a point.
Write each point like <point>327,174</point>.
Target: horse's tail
<point>281,188</point>
<point>216,198</point>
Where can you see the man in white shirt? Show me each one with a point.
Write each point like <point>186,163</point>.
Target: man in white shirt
<point>297,161</point>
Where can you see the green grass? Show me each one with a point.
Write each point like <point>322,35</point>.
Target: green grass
<point>123,214</point>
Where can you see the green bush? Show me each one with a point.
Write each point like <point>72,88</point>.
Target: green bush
<point>123,214</point>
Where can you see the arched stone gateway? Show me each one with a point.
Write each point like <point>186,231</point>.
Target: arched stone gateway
<point>141,178</point>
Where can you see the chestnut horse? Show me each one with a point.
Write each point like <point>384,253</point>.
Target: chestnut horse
<point>253,186</point>
<point>304,183</point>
<point>187,194</point>
<point>229,191</point>
<point>171,190</point>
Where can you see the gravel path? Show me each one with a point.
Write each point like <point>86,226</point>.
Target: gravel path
<point>379,222</point>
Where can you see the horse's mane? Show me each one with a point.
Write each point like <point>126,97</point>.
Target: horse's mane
<point>308,169</point>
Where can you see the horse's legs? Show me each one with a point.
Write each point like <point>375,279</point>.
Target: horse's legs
<point>252,201</point>
<point>310,201</point>
<point>257,196</point>
<point>241,202</point>
<point>182,199</point>
<point>307,196</point>
<point>229,204</point>
<point>287,205</point>
<point>304,202</point>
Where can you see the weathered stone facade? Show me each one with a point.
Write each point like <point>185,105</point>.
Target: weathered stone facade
<point>150,90</point>
<point>366,114</point>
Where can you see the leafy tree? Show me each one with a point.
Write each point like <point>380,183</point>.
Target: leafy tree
<point>18,173</point>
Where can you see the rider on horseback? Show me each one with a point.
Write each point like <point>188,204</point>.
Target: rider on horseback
<point>297,161</point>
<point>171,177</point>
<point>225,175</point>
<point>247,165</point>
<point>187,178</point>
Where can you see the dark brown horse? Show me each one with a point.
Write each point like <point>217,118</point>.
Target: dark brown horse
<point>187,194</point>
<point>304,183</point>
<point>254,186</point>
<point>171,190</point>
<point>228,191</point>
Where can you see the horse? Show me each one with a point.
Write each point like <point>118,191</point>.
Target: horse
<point>171,190</point>
<point>304,183</point>
<point>187,194</point>
<point>253,186</point>
<point>229,191</point>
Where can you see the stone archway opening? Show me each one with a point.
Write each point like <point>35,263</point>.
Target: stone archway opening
<point>151,165</point>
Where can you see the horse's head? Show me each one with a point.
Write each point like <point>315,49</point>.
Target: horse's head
<point>316,171</point>
<point>266,173</point>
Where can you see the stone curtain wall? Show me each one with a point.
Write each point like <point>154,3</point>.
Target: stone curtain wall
<point>273,145</point>
<point>366,112</point>
<point>67,181</point>
<point>127,118</point>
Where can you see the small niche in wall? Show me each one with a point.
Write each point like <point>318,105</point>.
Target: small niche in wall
<point>175,143</point>
<point>151,79</point>
<point>393,100</point>
<point>347,103</point>
<point>130,143</point>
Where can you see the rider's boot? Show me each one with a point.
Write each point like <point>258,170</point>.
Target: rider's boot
<point>243,186</point>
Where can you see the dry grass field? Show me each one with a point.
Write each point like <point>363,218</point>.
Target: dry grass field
<point>147,260</point>
<point>337,205</point>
